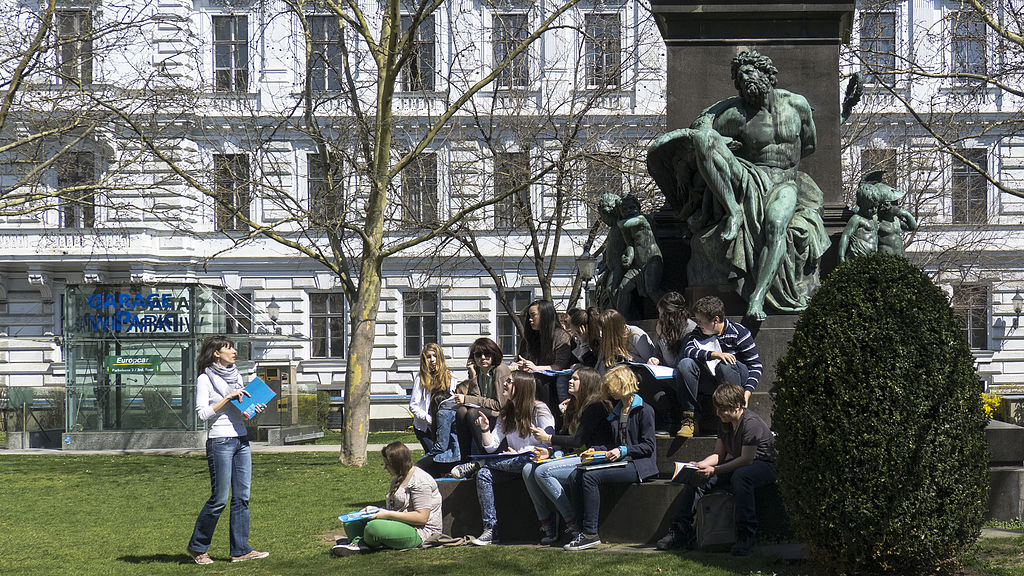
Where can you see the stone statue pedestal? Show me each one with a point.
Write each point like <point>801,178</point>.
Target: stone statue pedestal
<point>803,40</point>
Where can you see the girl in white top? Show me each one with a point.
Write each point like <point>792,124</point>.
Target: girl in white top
<point>520,413</point>
<point>433,384</point>
<point>227,451</point>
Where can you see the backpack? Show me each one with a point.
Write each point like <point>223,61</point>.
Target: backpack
<point>716,525</point>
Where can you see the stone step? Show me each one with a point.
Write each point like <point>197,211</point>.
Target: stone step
<point>630,513</point>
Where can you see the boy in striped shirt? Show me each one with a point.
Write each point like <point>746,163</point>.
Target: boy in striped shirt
<point>718,351</point>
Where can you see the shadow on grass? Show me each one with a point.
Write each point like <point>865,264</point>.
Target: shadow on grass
<point>158,559</point>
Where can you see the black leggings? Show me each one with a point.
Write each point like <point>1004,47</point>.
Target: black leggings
<point>467,430</point>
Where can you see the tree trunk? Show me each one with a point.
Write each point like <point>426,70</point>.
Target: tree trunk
<point>363,318</point>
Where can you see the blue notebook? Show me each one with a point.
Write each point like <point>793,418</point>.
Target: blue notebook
<point>358,514</point>
<point>259,393</point>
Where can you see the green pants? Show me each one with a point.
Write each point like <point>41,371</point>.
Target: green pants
<point>383,534</point>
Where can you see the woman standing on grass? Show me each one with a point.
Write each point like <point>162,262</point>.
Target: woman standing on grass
<point>227,452</point>
<point>411,512</point>
<point>585,424</point>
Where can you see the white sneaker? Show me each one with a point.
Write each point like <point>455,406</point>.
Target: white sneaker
<point>485,538</point>
<point>466,469</point>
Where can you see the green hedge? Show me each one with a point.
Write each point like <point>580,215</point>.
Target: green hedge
<point>883,464</point>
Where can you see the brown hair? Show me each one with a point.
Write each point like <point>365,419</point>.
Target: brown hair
<point>709,307</point>
<point>728,396</point>
<point>517,413</point>
<point>490,347</point>
<point>614,337</point>
<point>434,382</point>
<point>210,346</point>
<point>398,458</point>
<point>672,317</point>
<point>588,393</point>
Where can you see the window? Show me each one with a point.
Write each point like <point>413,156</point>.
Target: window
<point>74,46</point>
<point>418,73</point>
<point>969,188</point>
<point>967,40</point>
<point>76,179</point>
<point>326,193</point>
<point>419,190</point>
<point>509,31</point>
<point>508,336</point>
<point>603,48</point>
<point>970,302</point>
<point>327,324</point>
<point>878,46</point>
<point>420,320</point>
<point>325,57</point>
<point>231,184</point>
<point>872,159</point>
<point>603,176</point>
<point>238,313</point>
<point>511,171</point>
<point>231,53</point>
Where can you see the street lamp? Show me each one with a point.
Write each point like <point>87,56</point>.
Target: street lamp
<point>274,311</point>
<point>586,265</point>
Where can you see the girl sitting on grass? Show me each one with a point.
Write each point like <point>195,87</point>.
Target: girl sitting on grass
<point>411,512</point>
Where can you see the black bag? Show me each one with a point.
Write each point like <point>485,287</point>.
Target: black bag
<point>716,523</point>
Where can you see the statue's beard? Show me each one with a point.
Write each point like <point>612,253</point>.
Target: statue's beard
<point>756,93</point>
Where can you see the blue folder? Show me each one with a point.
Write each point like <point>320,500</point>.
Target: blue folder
<point>259,393</point>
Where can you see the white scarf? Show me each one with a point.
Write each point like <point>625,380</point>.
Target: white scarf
<point>224,378</point>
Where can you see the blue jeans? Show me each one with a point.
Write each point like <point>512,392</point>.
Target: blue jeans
<point>230,472</point>
<point>546,483</point>
<point>446,448</point>
<point>744,481</point>
<point>586,487</point>
<point>693,378</point>
<point>492,472</point>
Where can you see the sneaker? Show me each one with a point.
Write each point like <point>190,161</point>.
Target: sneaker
<point>687,428</point>
<point>350,549</point>
<point>199,557</point>
<point>465,470</point>
<point>252,555</point>
<point>744,545</point>
<point>662,434</point>
<point>550,531</point>
<point>485,538</point>
<point>583,542</point>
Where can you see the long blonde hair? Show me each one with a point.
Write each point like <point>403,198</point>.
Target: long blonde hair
<point>614,337</point>
<point>434,381</point>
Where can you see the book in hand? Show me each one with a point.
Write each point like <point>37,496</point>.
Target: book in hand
<point>679,475</point>
<point>605,464</point>
<point>259,393</point>
<point>359,514</point>
<point>658,371</point>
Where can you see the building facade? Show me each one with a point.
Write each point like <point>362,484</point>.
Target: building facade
<point>224,143</point>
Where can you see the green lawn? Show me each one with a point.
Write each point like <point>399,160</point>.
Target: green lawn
<point>134,514</point>
<point>334,437</point>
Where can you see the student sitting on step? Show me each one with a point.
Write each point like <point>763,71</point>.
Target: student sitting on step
<point>744,458</point>
<point>674,325</point>
<point>520,413</point>
<point>547,478</point>
<point>718,351</point>
<point>633,443</point>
